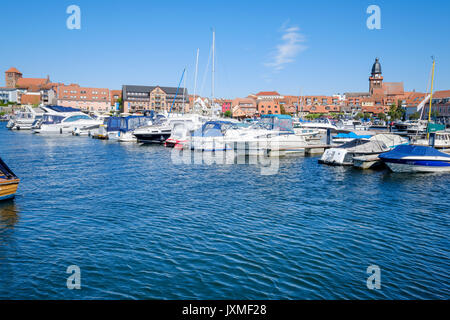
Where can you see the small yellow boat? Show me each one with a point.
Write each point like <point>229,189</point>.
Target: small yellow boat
<point>8,182</point>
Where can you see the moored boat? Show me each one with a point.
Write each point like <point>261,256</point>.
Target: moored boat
<point>9,182</point>
<point>409,158</point>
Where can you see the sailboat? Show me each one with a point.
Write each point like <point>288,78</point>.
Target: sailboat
<point>8,182</point>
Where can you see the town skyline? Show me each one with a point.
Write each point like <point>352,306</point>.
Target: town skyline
<point>293,52</point>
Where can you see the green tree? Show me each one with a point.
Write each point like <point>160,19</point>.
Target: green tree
<point>414,116</point>
<point>396,111</point>
<point>435,114</point>
<point>382,116</point>
<point>358,116</point>
<point>228,114</point>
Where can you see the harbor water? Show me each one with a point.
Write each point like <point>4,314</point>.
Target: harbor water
<point>140,226</point>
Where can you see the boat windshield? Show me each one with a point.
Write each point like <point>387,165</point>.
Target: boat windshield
<point>277,124</point>
<point>78,117</point>
<point>133,122</point>
<point>52,119</point>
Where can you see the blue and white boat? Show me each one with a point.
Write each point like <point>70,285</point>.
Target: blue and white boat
<point>409,158</point>
<point>121,128</point>
<point>210,137</point>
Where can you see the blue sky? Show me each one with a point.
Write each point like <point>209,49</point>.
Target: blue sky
<point>318,47</point>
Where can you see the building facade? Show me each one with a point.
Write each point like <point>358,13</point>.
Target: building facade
<point>144,98</point>
<point>85,98</point>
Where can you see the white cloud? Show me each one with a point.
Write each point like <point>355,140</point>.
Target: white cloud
<point>286,52</point>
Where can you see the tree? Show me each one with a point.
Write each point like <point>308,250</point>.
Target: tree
<point>396,111</point>
<point>382,116</point>
<point>414,116</point>
<point>228,114</point>
<point>435,114</point>
<point>359,115</point>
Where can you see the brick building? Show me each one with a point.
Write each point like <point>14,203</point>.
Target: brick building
<point>85,98</point>
<point>141,98</point>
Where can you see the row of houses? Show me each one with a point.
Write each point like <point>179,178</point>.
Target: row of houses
<point>379,99</point>
<point>42,91</point>
<point>135,98</point>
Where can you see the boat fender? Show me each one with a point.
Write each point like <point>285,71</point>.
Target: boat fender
<point>60,130</point>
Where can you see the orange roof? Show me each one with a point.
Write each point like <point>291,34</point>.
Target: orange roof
<point>13,70</point>
<point>268,93</point>
<point>28,82</point>
<point>441,94</point>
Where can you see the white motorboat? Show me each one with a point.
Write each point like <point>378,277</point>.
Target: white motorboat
<point>64,123</point>
<point>351,125</point>
<point>274,135</point>
<point>24,119</point>
<point>183,129</point>
<point>161,129</point>
<point>320,124</point>
<point>441,140</point>
<point>210,136</point>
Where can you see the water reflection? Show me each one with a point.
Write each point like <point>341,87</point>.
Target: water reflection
<point>8,214</point>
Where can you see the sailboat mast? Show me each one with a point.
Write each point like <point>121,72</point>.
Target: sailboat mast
<point>184,92</point>
<point>431,96</point>
<point>213,68</point>
<point>195,78</point>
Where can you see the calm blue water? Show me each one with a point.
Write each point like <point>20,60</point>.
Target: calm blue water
<point>140,227</point>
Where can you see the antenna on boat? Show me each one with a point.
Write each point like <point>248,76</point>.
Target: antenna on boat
<point>176,93</point>
<point>431,97</point>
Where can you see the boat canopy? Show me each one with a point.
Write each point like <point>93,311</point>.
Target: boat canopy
<point>277,122</point>
<point>212,129</point>
<point>410,150</point>
<point>6,171</point>
<point>133,122</point>
<point>62,109</point>
<point>125,124</point>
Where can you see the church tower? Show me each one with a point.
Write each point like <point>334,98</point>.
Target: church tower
<point>11,77</point>
<point>376,79</point>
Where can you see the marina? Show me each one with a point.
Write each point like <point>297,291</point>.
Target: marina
<point>224,160</point>
<point>142,227</point>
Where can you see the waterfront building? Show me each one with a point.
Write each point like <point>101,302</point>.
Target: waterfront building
<point>244,108</point>
<point>29,90</point>
<point>8,95</point>
<point>85,98</point>
<point>440,106</point>
<point>142,98</point>
<point>268,95</point>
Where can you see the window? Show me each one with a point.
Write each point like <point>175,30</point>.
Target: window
<point>76,118</point>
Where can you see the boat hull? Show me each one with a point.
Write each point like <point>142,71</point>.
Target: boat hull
<point>151,138</point>
<point>411,165</point>
<point>8,188</point>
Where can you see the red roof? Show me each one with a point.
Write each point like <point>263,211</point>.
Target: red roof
<point>28,82</point>
<point>13,70</point>
<point>268,93</point>
<point>441,94</point>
